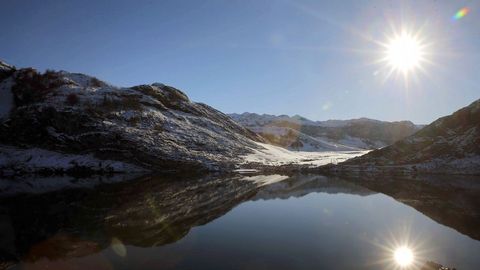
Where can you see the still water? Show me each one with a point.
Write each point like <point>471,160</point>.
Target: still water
<point>246,222</point>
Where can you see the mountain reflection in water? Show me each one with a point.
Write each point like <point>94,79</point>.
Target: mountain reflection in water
<point>105,227</point>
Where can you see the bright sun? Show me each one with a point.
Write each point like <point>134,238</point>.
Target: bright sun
<point>404,52</point>
<point>403,256</point>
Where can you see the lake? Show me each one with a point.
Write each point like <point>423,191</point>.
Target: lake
<point>246,222</point>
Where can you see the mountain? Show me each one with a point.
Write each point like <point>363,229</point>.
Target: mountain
<point>61,121</point>
<point>300,133</point>
<point>450,144</point>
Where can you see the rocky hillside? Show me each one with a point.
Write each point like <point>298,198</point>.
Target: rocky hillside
<point>299,133</point>
<point>451,144</point>
<point>78,122</point>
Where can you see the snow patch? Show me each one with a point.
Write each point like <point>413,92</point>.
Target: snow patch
<point>35,159</point>
<point>271,155</point>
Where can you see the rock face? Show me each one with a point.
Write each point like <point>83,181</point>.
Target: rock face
<point>450,144</point>
<point>155,126</point>
<point>299,133</point>
<point>5,70</point>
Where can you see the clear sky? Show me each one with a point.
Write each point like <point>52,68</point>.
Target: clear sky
<point>318,59</point>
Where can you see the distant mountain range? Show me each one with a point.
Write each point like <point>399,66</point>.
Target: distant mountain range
<point>450,144</point>
<point>300,133</point>
<point>59,122</point>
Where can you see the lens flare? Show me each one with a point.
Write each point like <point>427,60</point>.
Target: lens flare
<point>403,256</point>
<point>404,52</point>
<point>461,13</point>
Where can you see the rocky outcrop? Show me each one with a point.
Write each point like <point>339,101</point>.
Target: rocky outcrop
<point>155,127</point>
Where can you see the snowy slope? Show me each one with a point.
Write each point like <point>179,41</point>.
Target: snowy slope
<point>55,119</point>
<point>39,160</point>
<point>301,134</point>
<point>155,127</point>
<point>271,155</point>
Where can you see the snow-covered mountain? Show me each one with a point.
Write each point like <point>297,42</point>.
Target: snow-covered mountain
<point>67,121</point>
<point>300,133</point>
<point>450,144</point>
<point>62,122</point>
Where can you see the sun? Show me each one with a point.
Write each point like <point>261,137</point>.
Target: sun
<point>403,256</point>
<point>404,52</point>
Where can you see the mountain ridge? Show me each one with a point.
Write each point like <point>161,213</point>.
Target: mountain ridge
<point>325,123</point>
<point>300,133</point>
<point>450,144</point>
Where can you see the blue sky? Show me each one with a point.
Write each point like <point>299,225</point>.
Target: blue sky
<point>313,58</point>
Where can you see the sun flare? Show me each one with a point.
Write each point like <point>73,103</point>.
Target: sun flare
<point>404,52</point>
<point>403,256</point>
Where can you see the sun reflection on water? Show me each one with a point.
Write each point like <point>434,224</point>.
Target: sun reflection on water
<point>402,248</point>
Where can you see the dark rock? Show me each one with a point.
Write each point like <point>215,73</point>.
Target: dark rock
<point>6,70</point>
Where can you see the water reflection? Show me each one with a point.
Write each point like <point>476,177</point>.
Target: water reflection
<point>334,217</point>
<point>453,201</point>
